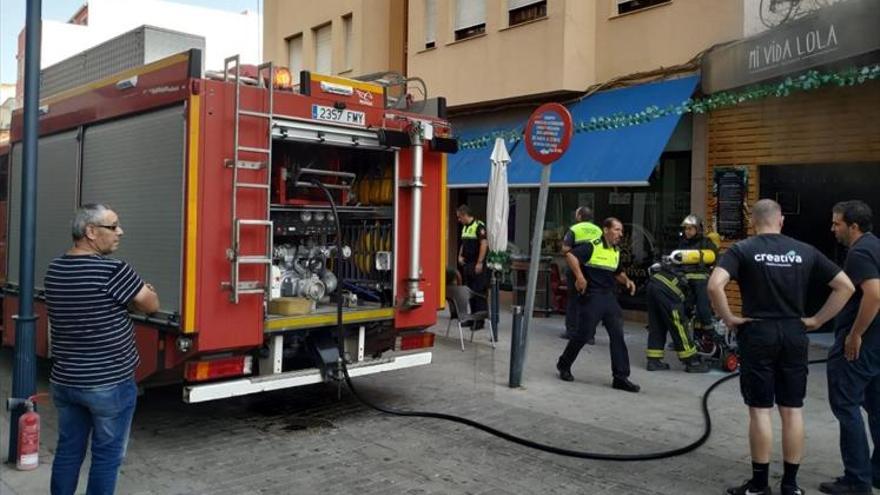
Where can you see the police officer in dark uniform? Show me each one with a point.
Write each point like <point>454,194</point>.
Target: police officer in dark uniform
<point>854,359</point>
<point>773,271</point>
<point>668,293</point>
<point>698,274</point>
<point>472,258</point>
<point>597,271</point>
<point>582,232</point>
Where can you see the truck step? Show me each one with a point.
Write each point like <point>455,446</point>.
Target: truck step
<point>254,260</point>
<point>251,149</point>
<point>246,164</point>
<point>251,185</point>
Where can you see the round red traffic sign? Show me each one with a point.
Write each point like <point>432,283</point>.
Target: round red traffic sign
<point>548,133</point>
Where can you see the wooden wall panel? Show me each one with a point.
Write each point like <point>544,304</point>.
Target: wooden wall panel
<point>823,126</point>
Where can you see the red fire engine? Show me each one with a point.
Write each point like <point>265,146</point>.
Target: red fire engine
<point>214,181</point>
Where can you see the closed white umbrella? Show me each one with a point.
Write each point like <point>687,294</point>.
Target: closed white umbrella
<point>498,203</point>
<point>497,211</point>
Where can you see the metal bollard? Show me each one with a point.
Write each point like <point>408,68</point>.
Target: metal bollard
<point>517,349</point>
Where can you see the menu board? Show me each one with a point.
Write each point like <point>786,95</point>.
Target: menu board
<point>731,187</point>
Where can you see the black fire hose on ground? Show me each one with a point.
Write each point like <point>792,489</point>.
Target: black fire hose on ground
<point>663,454</point>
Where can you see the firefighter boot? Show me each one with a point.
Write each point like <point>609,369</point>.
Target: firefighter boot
<point>656,364</point>
<point>696,365</point>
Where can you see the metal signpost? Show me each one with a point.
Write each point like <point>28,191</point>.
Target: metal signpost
<point>547,137</point>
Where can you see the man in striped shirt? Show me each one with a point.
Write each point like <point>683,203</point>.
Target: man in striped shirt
<point>93,351</point>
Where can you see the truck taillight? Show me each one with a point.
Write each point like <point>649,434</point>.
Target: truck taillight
<point>210,369</point>
<point>415,341</point>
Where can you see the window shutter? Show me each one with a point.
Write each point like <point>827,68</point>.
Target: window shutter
<point>517,4</point>
<point>469,13</point>
<point>346,29</point>
<point>430,21</point>
<point>295,56</point>
<point>323,50</point>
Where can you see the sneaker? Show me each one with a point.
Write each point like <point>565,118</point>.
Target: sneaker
<point>625,385</point>
<point>747,489</point>
<point>656,365</point>
<point>696,366</point>
<point>564,374</point>
<point>791,490</point>
<point>841,486</point>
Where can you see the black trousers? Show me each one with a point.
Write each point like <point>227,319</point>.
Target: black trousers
<point>666,316</point>
<point>702,307</point>
<point>571,304</point>
<point>477,282</point>
<point>591,309</point>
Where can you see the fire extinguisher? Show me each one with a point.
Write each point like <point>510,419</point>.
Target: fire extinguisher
<point>28,437</point>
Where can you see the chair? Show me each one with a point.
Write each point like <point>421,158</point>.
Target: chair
<point>559,288</point>
<point>458,299</point>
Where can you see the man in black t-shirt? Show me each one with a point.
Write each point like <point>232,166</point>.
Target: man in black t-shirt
<point>773,271</point>
<point>854,359</point>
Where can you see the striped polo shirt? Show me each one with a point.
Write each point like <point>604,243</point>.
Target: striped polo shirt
<point>92,334</point>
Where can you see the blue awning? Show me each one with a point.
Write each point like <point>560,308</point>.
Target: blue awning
<point>624,156</point>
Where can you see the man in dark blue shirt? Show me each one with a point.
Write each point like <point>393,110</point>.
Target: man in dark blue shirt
<point>773,271</point>
<point>854,359</point>
<point>93,350</point>
<point>597,271</point>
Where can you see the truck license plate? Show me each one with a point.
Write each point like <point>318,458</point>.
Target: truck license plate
<point>320,112</point>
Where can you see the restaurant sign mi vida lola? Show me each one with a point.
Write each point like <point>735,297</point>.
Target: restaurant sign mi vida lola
<point>775,52</point>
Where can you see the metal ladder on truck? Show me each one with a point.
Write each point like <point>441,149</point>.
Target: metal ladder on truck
<point>236,258</point>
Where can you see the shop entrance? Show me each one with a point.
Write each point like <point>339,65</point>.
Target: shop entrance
<point>807,193</point>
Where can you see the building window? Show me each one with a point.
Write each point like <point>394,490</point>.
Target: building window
<point>470,18</point>
<point>346,32</point>
<point>295,56</point>
<point>323,49</point>
<point>430,23</point>
<point>520,11</point>
<point>626,6</point>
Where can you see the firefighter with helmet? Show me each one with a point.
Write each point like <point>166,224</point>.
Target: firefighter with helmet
<point>697,274</point>
<point>668,295</point>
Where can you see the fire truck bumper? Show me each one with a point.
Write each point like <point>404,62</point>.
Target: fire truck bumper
<point>245,386</point>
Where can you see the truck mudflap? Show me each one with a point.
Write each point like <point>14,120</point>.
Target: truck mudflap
<point>251,385</point>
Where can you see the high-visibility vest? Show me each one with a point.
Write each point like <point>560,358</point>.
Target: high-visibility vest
<point>470,231</point>
<point>584,232</point>
<point>604,257</point>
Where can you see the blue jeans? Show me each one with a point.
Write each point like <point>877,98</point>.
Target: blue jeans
<point>851,387</point>
<point>105,414</point>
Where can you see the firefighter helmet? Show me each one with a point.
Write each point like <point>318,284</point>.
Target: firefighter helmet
<point>693,220</point>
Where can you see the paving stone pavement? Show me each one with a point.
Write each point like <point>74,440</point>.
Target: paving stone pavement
<point>309,439</point>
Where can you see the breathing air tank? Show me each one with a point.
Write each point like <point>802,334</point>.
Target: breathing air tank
<point>692,256</point>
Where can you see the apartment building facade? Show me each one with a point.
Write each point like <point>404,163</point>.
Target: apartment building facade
<point>345,37</point>
<point>496,60</point>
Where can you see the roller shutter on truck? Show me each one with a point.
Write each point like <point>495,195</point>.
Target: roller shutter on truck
<point>56,201</point>
<point>135,165</point>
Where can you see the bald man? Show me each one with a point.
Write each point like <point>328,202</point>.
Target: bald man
<point>773,271</point>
